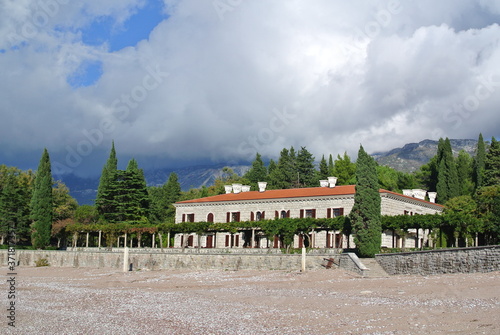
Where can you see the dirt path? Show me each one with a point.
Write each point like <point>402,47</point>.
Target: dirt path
<point>103,301</point>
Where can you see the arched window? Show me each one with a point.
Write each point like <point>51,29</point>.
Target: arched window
<point>210,217</point>
<point>283,214</point>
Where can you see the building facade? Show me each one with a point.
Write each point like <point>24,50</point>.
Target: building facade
<point>326,201</point>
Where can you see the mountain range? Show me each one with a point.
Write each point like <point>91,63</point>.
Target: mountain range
<point>408,158</point>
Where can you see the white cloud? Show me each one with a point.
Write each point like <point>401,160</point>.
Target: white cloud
<point>262,76</point>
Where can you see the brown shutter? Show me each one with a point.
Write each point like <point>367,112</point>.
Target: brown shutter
<point>328,213</point>
<point>228,217</point>
<point>183,217</point>
<point>288,214</point>
<point>301,213</point>
<point>263,215</point>
<point>314,213</point>
<point>252,218</point>
<point>341,211</point>
<point>237,240</point>
<point>227,240</point>
<point>238,217</point>
<point>276,214</point>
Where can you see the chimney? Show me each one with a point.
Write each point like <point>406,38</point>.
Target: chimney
<point>332,181</point>
<point>432,196</point>
<point>419,194</point>
<point>245,188</point>
<point>228,188</point>
<point>323,183</point>
<point>236,188</point>
<point>408,193</point>
<point>262,186</point>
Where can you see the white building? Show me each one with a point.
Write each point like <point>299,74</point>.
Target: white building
<point>326,201</point>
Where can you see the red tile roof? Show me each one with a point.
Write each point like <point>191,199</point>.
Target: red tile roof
<point>288,193</point>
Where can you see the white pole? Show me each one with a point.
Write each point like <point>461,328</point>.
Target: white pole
<point>125,259</point>
<point>303,259</point>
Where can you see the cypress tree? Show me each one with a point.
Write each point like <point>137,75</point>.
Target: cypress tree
<point>492,164</point>
<point>323,171</point>
<point>41,204</point>
<point>365,214</point>
<point>330,166</point>
<point>479,163</point>
<point>447,180</point>
<point>105,198</point>
<point>464,170</point>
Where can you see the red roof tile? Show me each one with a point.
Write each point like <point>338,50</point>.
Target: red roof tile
<point>287,193</point>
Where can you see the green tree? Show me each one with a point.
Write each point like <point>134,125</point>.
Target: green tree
<point>365,214</point>
<point>64,204</point>
<point>257,172</point>
<point>479,163</point>
<point>105,198</point>
<point>331,166</point>
<point>492,164</point>
<point>284,175</point>
<point>488,200</point>
<point>306,173</point>
<point>460,221</point>
<point>16,189</point>
<point>42,204</point>
<point>465,172</point>
<point>162,199</point>
<point>447,181</point>
<point>344,170</point>
<point>323,172</point>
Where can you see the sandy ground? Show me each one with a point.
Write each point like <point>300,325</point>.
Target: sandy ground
<point>104,301</point>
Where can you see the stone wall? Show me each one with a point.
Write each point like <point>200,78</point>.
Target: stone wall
<point>350,262</point>
<point>465,260</point>
<point>165,261</point>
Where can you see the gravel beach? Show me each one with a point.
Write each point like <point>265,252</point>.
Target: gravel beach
<point>106,301</point>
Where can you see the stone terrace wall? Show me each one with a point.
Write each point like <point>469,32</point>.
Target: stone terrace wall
<point>464,260</point>
<point>164,261</point>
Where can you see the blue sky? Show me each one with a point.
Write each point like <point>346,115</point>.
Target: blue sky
<point>183,82</point>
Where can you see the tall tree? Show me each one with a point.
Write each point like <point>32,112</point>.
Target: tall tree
<point>365,214</point>
<point>447,181</point>
<point>257,172</point>
<point>306,173</point>
<point>284,175</point>
<point>162,199</point>
<point>479,163</point>
<point>492,164</point>
<point>330,166</point>
<point>323,171</point>
<point>105,198</point>
<point>41,204</point>
<point>465,173</point>
<point>344,170</point>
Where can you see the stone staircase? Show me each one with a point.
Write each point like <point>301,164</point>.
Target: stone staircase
<point>375,270</point>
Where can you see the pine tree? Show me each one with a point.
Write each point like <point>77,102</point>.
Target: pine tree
<point>104,200</point>
<point>365,214</point>
<point>257,172</point>
<point>492,164</point>
<point>479,163</point>
<point>41,204</point>
<point>172,194</point>
<point>305,169</point>
<point>323,172</point>
<point>135,196</point>
<point>284,175</point>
